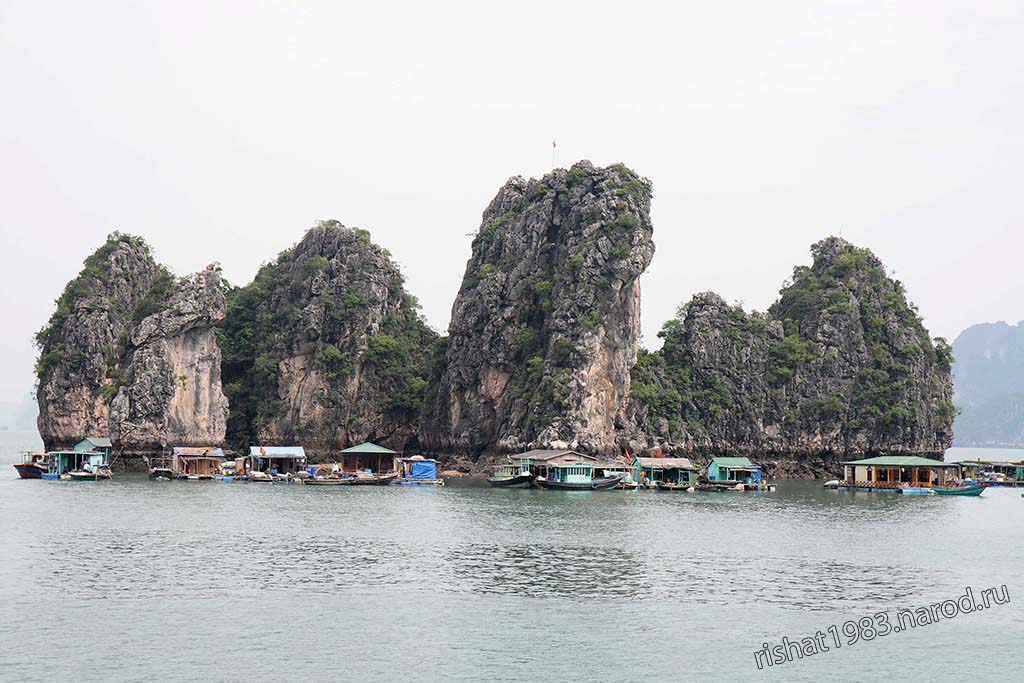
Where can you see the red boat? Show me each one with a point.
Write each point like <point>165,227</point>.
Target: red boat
<point>33,466</point>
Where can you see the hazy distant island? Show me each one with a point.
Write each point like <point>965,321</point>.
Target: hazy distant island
<point>326,348</point>
<point>989,375</point>
<point>18,416</point>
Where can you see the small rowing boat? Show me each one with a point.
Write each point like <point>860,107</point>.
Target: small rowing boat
<point>670,486</point>
<point>360,479</point>
<point>100,472</point>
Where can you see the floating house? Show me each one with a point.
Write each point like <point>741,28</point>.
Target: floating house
<point>276,460</point>
<point>418,471</point>
<point>997,472</point>
<point>898,474</point>
<point>368,458</point>
<point>63,462</point>
<point>677,472</point>
<point>734,470</point>
<point>970,469</point>
<point>196,462</point>
<point>97,444</point>
<point>543,461</point>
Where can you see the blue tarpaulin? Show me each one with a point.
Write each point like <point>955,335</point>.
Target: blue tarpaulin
<point>424,470</point>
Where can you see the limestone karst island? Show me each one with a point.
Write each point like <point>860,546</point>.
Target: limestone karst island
<point>533,342</point>
<point>322,367</point>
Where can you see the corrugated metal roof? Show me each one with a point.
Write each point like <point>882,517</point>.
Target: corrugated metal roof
<point>278,451</point>
<point>902,461</point>
<point>734,462</point>
<point>666,463</point>
<point>198,450</point>
<point>368,448</point>
<point>548,454</point>
<point>99,441</point>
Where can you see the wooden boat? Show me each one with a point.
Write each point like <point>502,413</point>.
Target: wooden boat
<point>361,479</point>
<point>85,475</point>
<point>32,466</point>
<point>669,486</point>
<point>328,481</point>
<point>161,474</point>
<point>975,490</point>
<point>720,486</point>
<point>511,476</point>
<point>594,484</point>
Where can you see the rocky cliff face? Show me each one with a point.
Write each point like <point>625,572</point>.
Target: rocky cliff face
<point>130,352</point>
<point>544,329</point>
<point>840,366</point>
<point>172,392</point>
<point>325,348</point>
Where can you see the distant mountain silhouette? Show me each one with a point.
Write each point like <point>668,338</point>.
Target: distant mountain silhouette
<point>18,416</point>
<point>988,379</point>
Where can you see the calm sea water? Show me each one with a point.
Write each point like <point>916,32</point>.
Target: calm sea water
<point>132,580</point>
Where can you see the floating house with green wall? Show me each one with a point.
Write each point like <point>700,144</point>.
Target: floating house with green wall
<point>677,471</point>
<point>734,469</point>
<point>62,462</point>
<point>96,444</point>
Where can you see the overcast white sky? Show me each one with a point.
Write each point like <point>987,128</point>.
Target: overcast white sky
<point>222,130</point>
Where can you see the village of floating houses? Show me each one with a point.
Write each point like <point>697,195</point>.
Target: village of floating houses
<point>552,469</point>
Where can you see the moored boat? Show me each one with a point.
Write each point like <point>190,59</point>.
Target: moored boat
<point>975,490</point>
<point>670,486</point>
<point>101,472</point>
<point>32,466</point>
<point>161,473</point>
<point>511,476</point>
<point>373,479</point>
<point>328,481</point>
<point>358,479</point>
<point>578,477</point>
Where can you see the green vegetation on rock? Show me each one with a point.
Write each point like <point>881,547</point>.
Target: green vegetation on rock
<point>325,345</point>
<point>840,363</point>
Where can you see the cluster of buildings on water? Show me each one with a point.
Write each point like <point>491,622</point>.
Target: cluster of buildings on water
<point>559,469</point>
<point>364,464</point>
